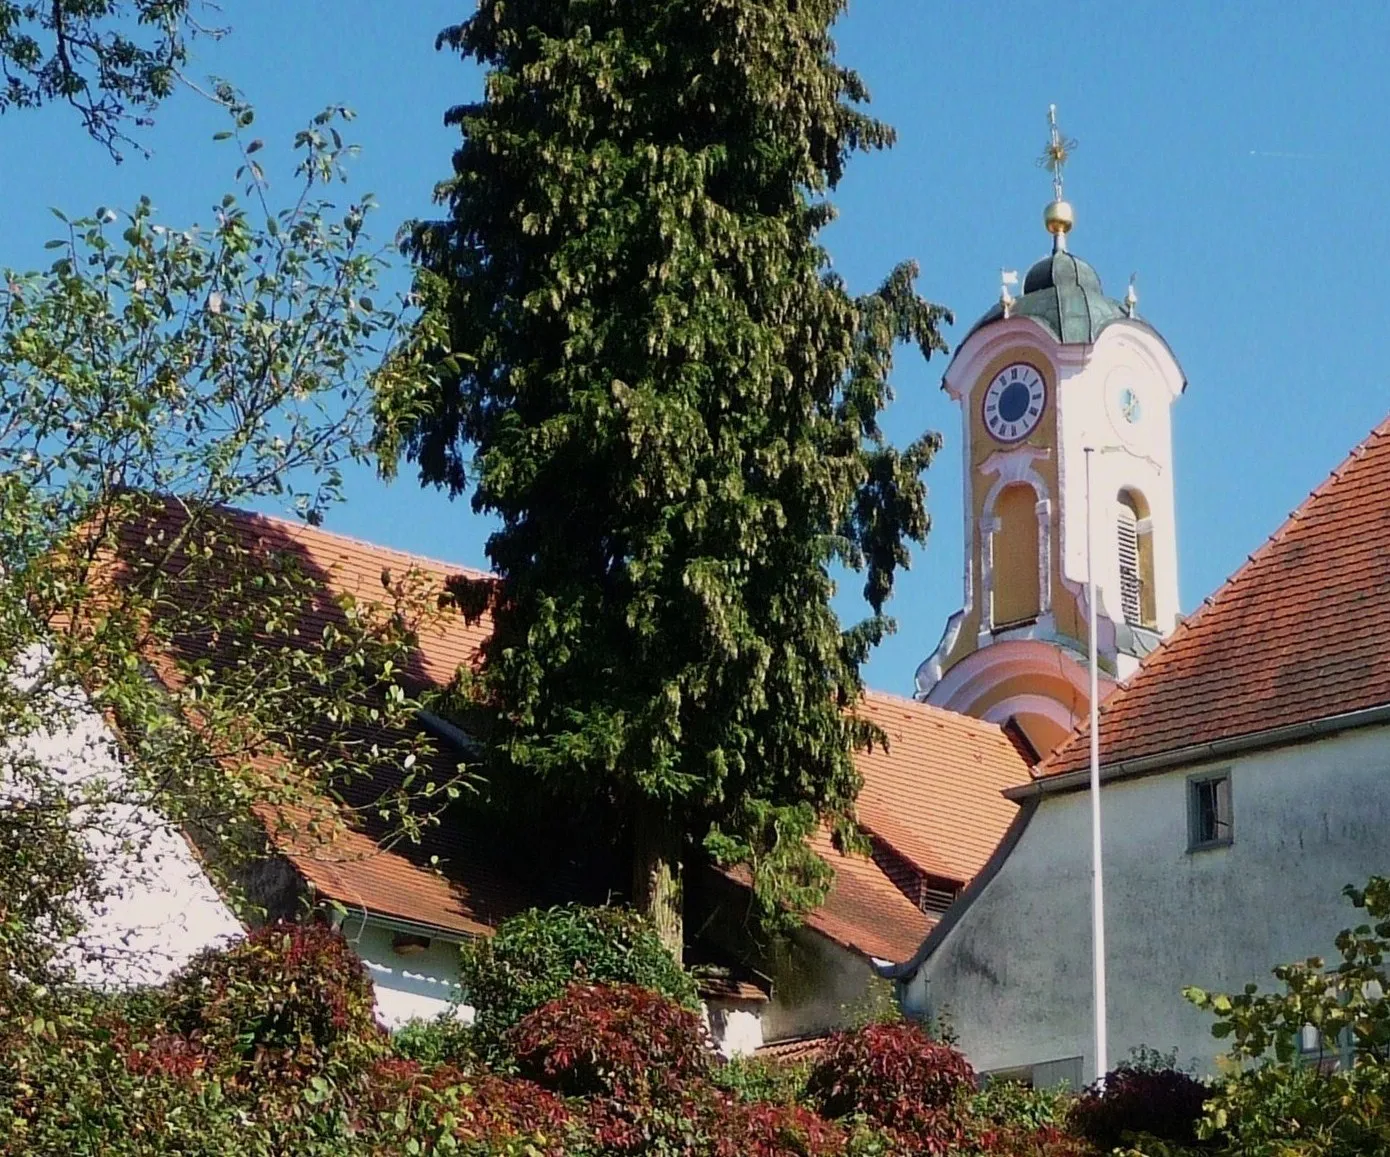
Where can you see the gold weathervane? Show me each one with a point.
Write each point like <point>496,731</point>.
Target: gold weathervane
<point>1058,216</point>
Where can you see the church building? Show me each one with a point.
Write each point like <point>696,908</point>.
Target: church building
<point>1242,763</point>
<point>1065,399</point>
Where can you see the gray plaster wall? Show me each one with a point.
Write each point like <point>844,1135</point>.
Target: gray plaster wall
<point>1013,976</point>
<point>816,986</point>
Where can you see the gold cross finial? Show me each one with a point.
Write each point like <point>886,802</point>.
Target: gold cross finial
<point>1057,152</point>
<point>1058,215</point>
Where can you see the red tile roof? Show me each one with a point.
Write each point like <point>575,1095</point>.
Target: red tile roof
<point>466,895</point>
<point>790,1052</point>
<point>348,566</point>
<point>932,794</point>
<point>865,911</point>
<point>1301,632</point>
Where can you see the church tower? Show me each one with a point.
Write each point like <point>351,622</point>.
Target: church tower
<point>1065,396</point>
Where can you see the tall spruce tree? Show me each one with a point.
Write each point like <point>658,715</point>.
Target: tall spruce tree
<point>674,409</point>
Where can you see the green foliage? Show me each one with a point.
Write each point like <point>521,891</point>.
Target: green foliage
<point>150,377</point>
<point>113,61</point>
<point>289,995</point>
<point>536,955</point>
<point>1275,1102</point>
<point>877,1004</point>
<point>647,371</point>
<point>445,1040</point>
<point>1016,1106</point>
<point>759,1079</point>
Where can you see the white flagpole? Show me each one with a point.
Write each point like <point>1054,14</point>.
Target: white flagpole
<point>1097,878</point>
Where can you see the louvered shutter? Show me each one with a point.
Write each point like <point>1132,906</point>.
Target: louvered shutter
<point>1131,595</point>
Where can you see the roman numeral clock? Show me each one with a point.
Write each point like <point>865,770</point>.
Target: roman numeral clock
<point>1014,402</point>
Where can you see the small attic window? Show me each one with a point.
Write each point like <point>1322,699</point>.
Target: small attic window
<point>409,944</point>
<point>1209,817</point>
<point>937,895</point>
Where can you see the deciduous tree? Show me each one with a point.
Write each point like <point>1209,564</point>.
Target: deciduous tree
<point>113,61</point>
<point>159,674</point>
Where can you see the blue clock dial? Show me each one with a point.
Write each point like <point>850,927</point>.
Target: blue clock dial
<point>1014,402</point>
<point>1130,408</point>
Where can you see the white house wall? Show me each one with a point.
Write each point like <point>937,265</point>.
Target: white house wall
<point>827,980</point>
<point>1013,976</point>
<point>420,986</point>
<point>158,908</point>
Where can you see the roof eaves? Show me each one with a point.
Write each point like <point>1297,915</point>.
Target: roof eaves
<point>401,924</point>
<point>1202,752</point>
<point>951,917</point>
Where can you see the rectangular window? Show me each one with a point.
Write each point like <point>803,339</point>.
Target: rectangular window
<point>1327,1056</point>
<point>1209,811</point>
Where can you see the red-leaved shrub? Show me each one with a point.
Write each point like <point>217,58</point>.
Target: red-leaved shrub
<point>616,1039</point>
<point>481,1112</point>
<point>287,995</point>
<point>898,1076</point>
<point>1042,1141</point>
<point>706,1121</point>
<point>165,1054</point>
<point>1163,1103</point>
<point>760,1129</point>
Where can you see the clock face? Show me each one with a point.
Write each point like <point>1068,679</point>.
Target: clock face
<point>1130,409</point>
<point>1014,402</point>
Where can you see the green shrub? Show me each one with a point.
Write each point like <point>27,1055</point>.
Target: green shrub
<point>536,955</point>
<point>445,1040</point>
<point>289,994</point>
<point>761,1079</point>
<point>1008,1104</point>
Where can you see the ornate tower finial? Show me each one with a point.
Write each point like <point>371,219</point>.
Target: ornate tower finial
<point>1131,302</point>
<point>1007,277</point>
<point>1058,216</point>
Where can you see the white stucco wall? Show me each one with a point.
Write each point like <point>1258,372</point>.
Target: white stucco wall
<point>736,1026</point>
<point>157,908</point>
<point>814,988</point>
<point>1013,976</point>
<point>420,986</point>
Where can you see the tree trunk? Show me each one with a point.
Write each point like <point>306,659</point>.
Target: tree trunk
<point>656,874</point>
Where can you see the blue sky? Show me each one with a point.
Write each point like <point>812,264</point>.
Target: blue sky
<point>1235,156</point>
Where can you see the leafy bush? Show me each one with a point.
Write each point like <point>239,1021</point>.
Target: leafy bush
<point>760,1129</point>
<point>443,1040</point>
<point>454,1111</point>
<point>762,1079</point>
<point>1275,1102</point>
<point>1161,1103</point>
<point>898,1076</point>
<point>288,994</point>
<point>1042,1141</point>
<point>618,1040</point>
<point>535,955</point>
<point>1008,1104</point>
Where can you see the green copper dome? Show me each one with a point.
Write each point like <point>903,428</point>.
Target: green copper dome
<point>1063,294</point>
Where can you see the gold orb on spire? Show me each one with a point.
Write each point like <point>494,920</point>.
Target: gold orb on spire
<point>1058,217</point>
